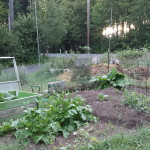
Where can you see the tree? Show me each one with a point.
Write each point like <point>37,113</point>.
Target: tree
<point>25,30</point>
<point>52,23</point>
<point>8,42</point>
<point>11,13</point>
<point>21,7</point>
<point>3,14</point>
<point>75,15</point>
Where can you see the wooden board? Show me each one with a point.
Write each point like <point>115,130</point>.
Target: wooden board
<point>13,109</point>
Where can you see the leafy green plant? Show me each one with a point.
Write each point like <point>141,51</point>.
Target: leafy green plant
<point>113,78</point>
<point>6,96</point>
<point>5,128</point>
<point>101,97</point>
<point>137,101</point>
<point>62,113</point>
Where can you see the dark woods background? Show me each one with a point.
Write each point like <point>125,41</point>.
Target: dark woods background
<point>62,25</point>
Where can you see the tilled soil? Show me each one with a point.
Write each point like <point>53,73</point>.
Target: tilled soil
<point>111,109</point>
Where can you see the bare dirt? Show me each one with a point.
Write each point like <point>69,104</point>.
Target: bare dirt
<point>111,109</point>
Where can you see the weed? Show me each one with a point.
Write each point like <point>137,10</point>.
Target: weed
<point>137,101</point>
<point>12,146</point>
<point>101,97</point>
<point>138,140</point>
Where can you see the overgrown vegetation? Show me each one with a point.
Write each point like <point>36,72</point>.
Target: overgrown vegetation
<point>133,57</point>
<point>60,114</point>
<point>137,101</point>
<point>138,140</point>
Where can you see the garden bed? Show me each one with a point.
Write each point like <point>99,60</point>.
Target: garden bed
<point>14,108</point>
<point>111,109</point>
<point>112,118</point>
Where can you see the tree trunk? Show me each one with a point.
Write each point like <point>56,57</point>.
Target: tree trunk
<point>11,14</point>
<point>122,26</point>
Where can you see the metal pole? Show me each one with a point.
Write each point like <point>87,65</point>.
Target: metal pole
<point>30,3</point>
<point>11,14</point>
<point>109,43</point>
<point>88,24</point>
<point>37,31</point>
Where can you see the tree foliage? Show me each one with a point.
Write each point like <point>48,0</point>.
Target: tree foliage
<point>62,24</point>
<point>3,13</point>
<point>8,42</point>
<point>52,22</point>
<point>24,29</point>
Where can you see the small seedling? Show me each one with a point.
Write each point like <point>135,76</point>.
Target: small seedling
<point>101,97</point>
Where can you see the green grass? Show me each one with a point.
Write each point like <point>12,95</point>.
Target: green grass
<point>135,140</point>
<point>139,140</point>
<point>134,58</point>
<point>130,54</point>
<point>11,146</point>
